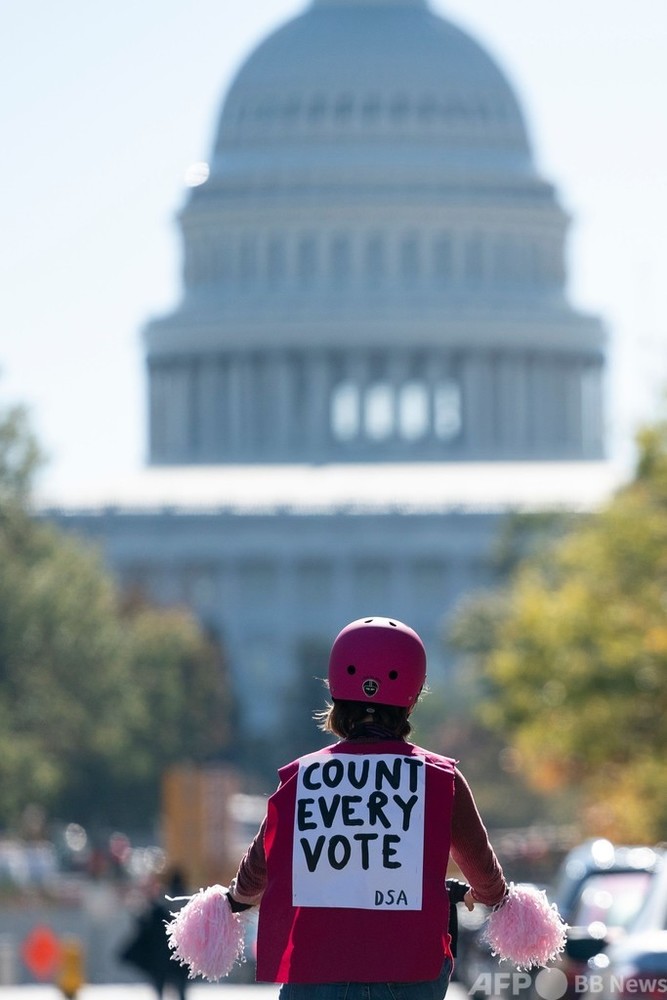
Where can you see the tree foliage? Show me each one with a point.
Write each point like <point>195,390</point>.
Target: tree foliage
<point>98,694</point>
<point>20,456</point>
<point>574,656</point>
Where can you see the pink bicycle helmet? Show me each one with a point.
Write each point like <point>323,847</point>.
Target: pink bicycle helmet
<point>377,659</point>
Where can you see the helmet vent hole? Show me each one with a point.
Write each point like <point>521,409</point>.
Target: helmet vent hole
<point>394,624</point>
<point>367,621</point>
<point>393,674</point>
<point>351,669</point>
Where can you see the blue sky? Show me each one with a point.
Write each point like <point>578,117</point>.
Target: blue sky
<point>104,107</point>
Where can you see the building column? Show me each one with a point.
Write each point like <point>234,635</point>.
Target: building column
<point>357,373</point>
<point>206,415</point>
<point>237,406</point>
<point>470,411</point>
<point>395,368</point>
<point>545,419</point>
<point>318,392</point>
<point>283,380</point>
<point>592,439</point>
<point>158,404</point>
<point>512,406</point>
<point>435,373</point>
<point>177,414</point>
<point>571,406</point>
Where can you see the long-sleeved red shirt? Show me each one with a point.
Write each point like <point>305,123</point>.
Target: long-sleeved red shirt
<point>470,849</point>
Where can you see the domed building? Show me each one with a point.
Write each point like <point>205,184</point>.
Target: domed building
<point>373,360</point>
<point>373,270</point>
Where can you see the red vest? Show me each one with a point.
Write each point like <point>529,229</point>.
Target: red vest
<point>357,844</point>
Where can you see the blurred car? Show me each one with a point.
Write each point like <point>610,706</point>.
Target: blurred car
<point>636,965</point>
<point>599,889</point>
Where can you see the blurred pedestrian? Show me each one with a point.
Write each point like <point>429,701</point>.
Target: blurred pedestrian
<point>148,948</point>
<point>348,867</point>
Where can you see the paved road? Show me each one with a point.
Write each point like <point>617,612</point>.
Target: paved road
<point>134,992</point>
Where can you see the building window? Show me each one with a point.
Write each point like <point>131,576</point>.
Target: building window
<point>306,258</point>
<point>447,417</point>
<point>258,583</point>
<point>379,411</point>
<point>223,262</point>
<point>343,108</point>
<point>428,578</point>
<point>345,411</point>
<point>199,587</point>
<point>248,259</point>
<point>264,112</point>
<point>399,109</point>
<point>371,110</point>
<point>276,264</point>
<point>473,262</point>
<point>314,582</point>
<point>413,411</point>
<point>512,263</point>
<point>372,582</point>
<point>426,109</point>
<point>375,264</point>
<point>292,109</point>
<point>443,258</point>
<point>409,259</point>
<point>341,259</point>
<point>317,109</point>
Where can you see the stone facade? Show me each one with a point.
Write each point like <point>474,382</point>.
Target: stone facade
<point>373,282</point>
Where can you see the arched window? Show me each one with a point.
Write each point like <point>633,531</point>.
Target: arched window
<point>413,416</point>
<point>447,417</point>
<point>379,411</point>
<point>344,413</point>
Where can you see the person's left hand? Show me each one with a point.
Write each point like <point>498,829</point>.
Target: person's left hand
<point>469,900</point>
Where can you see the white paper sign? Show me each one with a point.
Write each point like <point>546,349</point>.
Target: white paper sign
<point>359,831</point>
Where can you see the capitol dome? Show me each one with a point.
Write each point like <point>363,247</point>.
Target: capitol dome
<point>374,269</point>
<point>387,85</point>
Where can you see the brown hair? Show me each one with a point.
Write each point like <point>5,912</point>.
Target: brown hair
<point>343,717</point>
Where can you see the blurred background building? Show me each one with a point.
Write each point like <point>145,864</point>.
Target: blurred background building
<point>373,359</point>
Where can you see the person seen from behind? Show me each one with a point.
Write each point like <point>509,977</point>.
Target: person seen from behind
<point>348,867</point>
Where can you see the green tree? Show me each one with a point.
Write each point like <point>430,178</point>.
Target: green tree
<point>20,457</point>
<point>181,707</point>
<point>97,695</point>
<point>574,656</point>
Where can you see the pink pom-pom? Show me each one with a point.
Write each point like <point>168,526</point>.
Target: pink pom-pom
<point>206,936</point>
<point>527,930</point>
